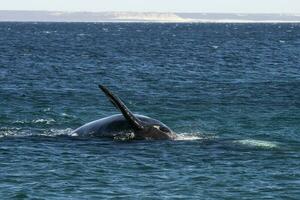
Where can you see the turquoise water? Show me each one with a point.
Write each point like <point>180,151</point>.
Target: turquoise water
<point>231,91</point>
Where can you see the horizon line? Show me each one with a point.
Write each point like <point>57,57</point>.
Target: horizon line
<point>189,12</point>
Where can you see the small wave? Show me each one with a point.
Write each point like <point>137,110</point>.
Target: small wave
<point>6,132</point>
<point>20,122</point>
<point>67,115</point>
<point>82,34</point>
<point>47,32</point>
<point>43,121</point>
<point>13,132</point>
<point>36,121</point>
<point>18,132</point>
<point>257,143</point>
<point>46,109</point>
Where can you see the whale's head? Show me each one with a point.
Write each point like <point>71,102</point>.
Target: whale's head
<point>142,130</point>
<point>154,132</point>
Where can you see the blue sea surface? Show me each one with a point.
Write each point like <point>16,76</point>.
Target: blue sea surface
<point>230,91</point>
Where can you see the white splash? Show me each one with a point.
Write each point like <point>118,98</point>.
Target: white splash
<point>193,136</point>
<point>257,143</point>
<point>57,132</point>
<point>187,137</point>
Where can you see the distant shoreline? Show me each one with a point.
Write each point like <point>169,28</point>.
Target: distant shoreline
<point>144,17</point>
<point>160,22</point>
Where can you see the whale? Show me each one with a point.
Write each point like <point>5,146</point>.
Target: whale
<point>125,125</point>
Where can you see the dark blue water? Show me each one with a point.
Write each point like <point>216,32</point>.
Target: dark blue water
<point>231,91</point>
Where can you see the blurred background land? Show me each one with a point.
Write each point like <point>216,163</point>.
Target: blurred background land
<point>59,16</point>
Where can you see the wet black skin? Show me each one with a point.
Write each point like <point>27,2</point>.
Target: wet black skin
<point>117,126</point>
<point>127,124</point>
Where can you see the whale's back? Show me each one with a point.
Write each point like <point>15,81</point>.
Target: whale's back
<point>111,126</point>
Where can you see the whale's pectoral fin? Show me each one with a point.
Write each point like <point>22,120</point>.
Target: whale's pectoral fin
<point>116,101</point>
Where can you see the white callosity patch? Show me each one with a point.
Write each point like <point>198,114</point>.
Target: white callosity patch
<point>157,127</point>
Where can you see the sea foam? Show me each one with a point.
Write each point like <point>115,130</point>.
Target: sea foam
<point>257,143</point>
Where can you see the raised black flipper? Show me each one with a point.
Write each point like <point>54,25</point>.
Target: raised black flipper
<point>116,101</point>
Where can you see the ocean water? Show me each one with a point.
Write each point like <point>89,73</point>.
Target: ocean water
<point>230,91</point>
